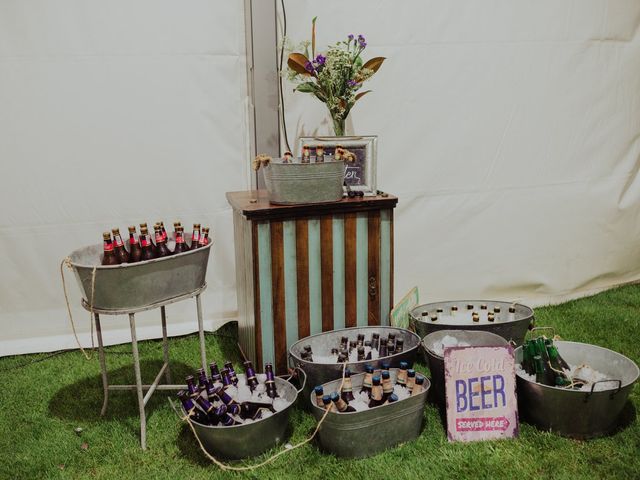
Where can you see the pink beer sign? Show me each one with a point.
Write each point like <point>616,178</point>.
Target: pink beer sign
<point>480,388</point>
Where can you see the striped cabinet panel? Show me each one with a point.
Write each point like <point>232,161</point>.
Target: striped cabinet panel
<point>307,272</point>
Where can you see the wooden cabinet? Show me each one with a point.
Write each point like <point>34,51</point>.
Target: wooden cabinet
<point>306,269</point>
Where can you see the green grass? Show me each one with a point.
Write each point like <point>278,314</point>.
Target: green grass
<point>43,402</point>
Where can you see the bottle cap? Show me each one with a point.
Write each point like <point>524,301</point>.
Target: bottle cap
<point>411,372</point>
<point>454,308</point>
<point>469,306</point>
<point>496,309</point>
<point>326,399</point>
<point>419,379</point>
<point>368,368</point>
<point>386,374</point>
<point>439,310</point>
<point>347,372</point>
<point>425,314</point>
<point>393,397</point>
<point>176,224</point>
<point>196,226</point>
<point>385,366</point>
<point>115,231</point>
<point>335,397</point>
<point>318,389</point>
<point>434,318</point>
<point>404,365</point>
<point>376,379</point>
<point>512,309</point>
<point>143,225</point>
<point>483,307</point>
<point>106,235</point>
<point>132,229</point>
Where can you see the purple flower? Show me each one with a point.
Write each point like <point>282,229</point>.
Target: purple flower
<point>362,41</point>
<point>320,60</point>
<point>352,83</point>
<point>351,37</point>
<point>309,67</point>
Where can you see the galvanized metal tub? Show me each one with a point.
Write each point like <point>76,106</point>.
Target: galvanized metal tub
<point>294,183</point>
<point>573,413</point>
<point>510,327</point>
<point>318,373</point>
<point>137,285</point>
<point>436,362</point>
<point>365,433</point>
<point>252,439</point>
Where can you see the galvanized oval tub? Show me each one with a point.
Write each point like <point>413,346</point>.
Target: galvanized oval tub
<point>130,286</point>
<point>252,439</point>
<point>512,327</point>
<point>365,433</point>
<point>573,413</point>
<point>436,362</point>
<point>294,183</point>
<point>318,373</point>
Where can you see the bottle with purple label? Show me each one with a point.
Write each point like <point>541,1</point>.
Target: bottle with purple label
<point>215,373</point>
<point>191,386</point>
<point>270,383</point>
<point>209,409</point>
<point>252,380</point>
<point>232,373</point>
<point>193,412</point>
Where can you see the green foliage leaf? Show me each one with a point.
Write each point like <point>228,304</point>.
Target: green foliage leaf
<point>307,87</point>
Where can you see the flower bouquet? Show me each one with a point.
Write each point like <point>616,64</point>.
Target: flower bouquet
<point>334,77</point>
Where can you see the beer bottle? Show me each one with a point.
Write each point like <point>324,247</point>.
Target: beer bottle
<point>418,387</point>
<point>203,381</point>
<point>360,340</point>
<point>161,243</point>
<point>352,345</point>
<point>454,310</point>
<point>347,387</point>
<point>382,351</point>
<point>399,345</point>
<point>272,391</point>
<point>334,351</point>
<point>342,357</point>
<point>193,412</point>
<point>401,378</point>
<point>253,410</point>
<point>319,391</point>
<point>475,317</point>
<point>541,376</point>
<point>496,309</point>
<point>195,236</point>
<point>135,252</point>
<point>226,378</point>
<point>146,245</point>
<point>344,343</point>
<point>326,402</point>
<point>483,306</point>
<point>287,156</point>
<point>425,315</point>
<point>232,373</point>
<point>204,238</point>
<point>491,317</point>
<point>387,386</point>
<point>108,256</point>
<point>209,409</point>
<point>376,392</point>
<point>250,373</point>
<point>375,341</point>
<point>215,373</point>
<point>392,338</point>
<point>225,419</point>
<point>367,381</point>
<point>392,399</point>
<point>434,317</point>
<point>119,250</point>
<point>306,154</point>
<point>469,306</point>
<point>361,355</point>
<point>384,367</point>
<point>556,360</point>
<point>319,154</point>
<point>411,379</point>
<point>391,348</point>
<point>341,405</point>
<point>232,406</point>
<point>180,245</point>
<point>191,386</point>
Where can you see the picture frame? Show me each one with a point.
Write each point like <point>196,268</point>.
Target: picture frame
<point>361,175</point>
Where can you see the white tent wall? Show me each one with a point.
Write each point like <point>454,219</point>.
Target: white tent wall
<point>113,114</point>
<point>509,130</point>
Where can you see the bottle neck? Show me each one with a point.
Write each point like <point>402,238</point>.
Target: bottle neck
<point>108,246</point>
<point>132,238</point>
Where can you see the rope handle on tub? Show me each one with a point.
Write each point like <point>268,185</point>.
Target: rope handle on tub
<point>225,467</point>
<point>67,262</point>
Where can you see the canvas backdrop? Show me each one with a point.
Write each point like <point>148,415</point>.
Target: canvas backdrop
<point>508,129</point>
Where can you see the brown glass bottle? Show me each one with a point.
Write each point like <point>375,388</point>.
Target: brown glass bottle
<point>118,248</point>
<point>161,243</point>
<point>195,236</point>
<point>145,243</point>
<point>204,237</point>
<point>108,257</point>
<point>180,245</point>
<point>163,231</point>
<point>135,252</point>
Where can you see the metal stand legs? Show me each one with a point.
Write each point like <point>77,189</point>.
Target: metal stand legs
<point>139,388</point>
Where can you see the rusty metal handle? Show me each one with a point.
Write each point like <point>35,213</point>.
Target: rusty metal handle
<point>373,291</point>
<point>593,385</point>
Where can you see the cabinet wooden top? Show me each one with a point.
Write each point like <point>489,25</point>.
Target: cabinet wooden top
<point>254,205</point>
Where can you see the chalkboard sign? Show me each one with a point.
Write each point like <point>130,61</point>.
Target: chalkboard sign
<point>360,175</point>
<point>480,385</point>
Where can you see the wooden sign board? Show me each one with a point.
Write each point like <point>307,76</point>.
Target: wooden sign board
<point>399,315</point>
<point>480,386</point>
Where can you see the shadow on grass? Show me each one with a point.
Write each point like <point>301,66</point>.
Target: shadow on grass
<point>82,400</point>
